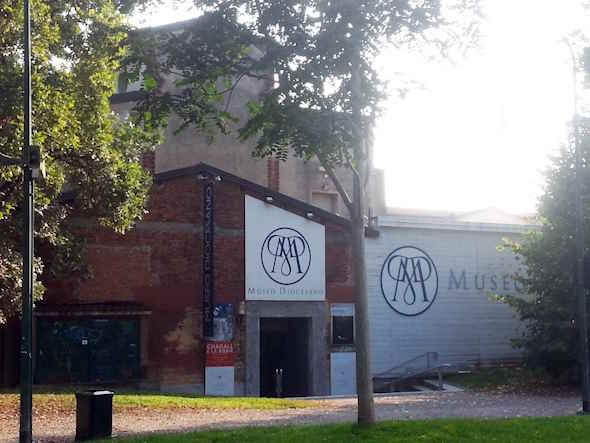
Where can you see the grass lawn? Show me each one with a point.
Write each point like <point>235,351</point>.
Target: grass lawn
<point>508,380</point>
<point>163,401</point>
<point>523,430</point>
<point>63,401</point>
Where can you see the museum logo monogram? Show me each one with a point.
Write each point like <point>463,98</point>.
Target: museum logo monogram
<point>285,256</point>
<point>409,280</point>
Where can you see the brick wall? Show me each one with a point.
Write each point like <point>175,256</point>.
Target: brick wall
<point>158,264</point>
<point>273,173</point>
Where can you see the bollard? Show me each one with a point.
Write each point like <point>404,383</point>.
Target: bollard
<point>279,382</point>
<point>94,415</point>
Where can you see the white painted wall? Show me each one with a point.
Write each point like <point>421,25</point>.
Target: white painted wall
<point>463,324</point>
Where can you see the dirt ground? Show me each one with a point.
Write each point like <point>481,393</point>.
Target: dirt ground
<point>60,427</point>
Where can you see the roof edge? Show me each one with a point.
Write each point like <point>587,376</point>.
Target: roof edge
<point>429,223</point>
<point>254,188</point>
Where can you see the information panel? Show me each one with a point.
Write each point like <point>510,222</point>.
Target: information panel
<point>343,373</point>
<point>219,368</point>
<point>219,381</point>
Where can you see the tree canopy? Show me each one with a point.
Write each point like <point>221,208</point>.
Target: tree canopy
<point>551,338</point>
<point>76,49</point>
<point>308,49</point>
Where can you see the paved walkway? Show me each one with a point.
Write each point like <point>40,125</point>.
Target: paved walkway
<point>408,406</point>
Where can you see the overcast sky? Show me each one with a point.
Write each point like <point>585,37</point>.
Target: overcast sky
<point>478,133</point>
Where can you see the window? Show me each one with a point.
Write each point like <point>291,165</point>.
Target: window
<point>342,330</point>
<point>342,323</point>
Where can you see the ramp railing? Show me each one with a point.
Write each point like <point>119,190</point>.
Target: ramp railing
<point>420,366</point>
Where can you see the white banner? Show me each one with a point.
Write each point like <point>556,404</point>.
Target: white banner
<point>285,255</point>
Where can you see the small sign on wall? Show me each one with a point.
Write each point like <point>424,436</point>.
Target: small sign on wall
<point>220,353</point>
<point>219,381</point>
<point>343,373</point>
<point>219,370</point>
<point>223,322</point>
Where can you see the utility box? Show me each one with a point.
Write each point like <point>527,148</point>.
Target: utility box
<point>94,415</point>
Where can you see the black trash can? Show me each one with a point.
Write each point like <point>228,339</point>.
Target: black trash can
<point>94,415</point>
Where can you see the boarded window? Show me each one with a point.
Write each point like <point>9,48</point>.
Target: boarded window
<point>87,350</point>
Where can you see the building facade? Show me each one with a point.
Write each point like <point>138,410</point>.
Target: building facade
<point>433,287</point>
<point>222,285</point>
<point>228,287</point>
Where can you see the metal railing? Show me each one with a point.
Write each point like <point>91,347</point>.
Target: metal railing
<point>416,367</point>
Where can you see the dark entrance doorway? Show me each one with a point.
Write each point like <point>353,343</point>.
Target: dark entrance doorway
<point>284,344</point>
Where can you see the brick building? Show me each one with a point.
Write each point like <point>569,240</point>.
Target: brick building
<point>146,285</point>
<point>271,287</point>
<point>141,319</point>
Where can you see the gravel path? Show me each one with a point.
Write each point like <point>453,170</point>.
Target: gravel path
<point>408,406</point>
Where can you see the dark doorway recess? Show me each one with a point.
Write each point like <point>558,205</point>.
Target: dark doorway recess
<point>284,344</point>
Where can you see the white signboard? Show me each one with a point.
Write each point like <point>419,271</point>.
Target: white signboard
<point>343,373</point>
<point>219,381</point>
<point>285,255</point>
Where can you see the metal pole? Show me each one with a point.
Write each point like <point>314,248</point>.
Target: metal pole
<point>579,284</point>
<point>26,351</point>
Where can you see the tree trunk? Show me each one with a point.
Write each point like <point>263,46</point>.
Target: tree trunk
<point>364,380</point>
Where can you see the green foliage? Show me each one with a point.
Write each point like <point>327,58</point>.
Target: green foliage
<point>76,50</point>
<point>505,380</point>
<point>550,340</point>
<point>188,71</point>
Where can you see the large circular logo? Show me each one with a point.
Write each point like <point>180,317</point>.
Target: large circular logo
<point>285,256</point>
<point>409,281</point>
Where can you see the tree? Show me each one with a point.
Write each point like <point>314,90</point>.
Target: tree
<point>77,47</point>
<point>551,339</point>
<point>319,56</point>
